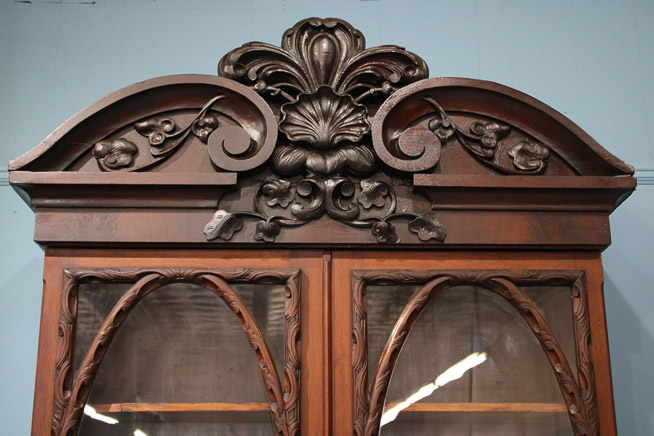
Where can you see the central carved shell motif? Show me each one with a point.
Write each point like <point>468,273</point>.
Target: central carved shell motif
<point>324,119</point>
<point>325,74</point>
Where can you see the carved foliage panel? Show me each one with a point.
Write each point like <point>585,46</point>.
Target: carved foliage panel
<point>283,390</point>
<point>233,126</point>
<point>579,396</point>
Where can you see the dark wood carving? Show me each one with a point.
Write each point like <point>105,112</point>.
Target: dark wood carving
<point>413,143</point>
<point>328,85</point>
<point>579,397</point>
<point>71,395</point>
<point>236,126</point>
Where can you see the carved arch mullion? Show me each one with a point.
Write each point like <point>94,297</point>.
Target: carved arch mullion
<point>71,400</point>
<point>292,354</point>
<point>580,398</point>
<point>94,356</point>
<point>360,351</point>
<point>552,348</point>
<point>394,345</point>
<point>258,343</point>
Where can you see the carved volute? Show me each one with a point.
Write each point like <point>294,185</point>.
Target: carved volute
<point>316,141</point>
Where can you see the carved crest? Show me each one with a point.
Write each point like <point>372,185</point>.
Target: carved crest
<point>326,81</point>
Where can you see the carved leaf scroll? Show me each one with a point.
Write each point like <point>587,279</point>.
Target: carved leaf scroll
<point>411,128</point>
<point>312,197</point>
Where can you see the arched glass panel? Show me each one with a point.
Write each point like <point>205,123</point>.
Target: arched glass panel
<point>471,365</point>
<point>180,362</point>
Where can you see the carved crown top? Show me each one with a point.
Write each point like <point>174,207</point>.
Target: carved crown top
<point>322,52</point>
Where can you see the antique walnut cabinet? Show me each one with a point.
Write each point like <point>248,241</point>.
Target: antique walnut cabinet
<point>322,240</point>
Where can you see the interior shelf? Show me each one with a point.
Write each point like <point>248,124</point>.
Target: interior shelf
<point>181,407</point>
<point>484,407</point>
<point>264,407</point>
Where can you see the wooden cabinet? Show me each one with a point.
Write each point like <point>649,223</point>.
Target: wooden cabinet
<point>322,241</point>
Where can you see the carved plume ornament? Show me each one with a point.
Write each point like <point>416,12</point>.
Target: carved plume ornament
<point>336,131</point>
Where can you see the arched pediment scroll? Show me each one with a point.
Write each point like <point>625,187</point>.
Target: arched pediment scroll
<point>142,126</point>
<point>504,129</point>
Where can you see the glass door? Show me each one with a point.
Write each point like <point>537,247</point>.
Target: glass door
<point>464,344</point>
<point>211,343</point>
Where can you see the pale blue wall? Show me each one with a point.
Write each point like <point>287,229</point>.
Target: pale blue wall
<point>592,60</point>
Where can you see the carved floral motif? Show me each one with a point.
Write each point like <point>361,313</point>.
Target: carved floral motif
<point>115,153</point>
<point>482,139</point>
<point>530,156</point>
<point>312,197</point>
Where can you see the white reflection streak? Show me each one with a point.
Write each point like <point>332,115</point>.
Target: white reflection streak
<point>139,432</point>
<point>454,372</point>
<point>91,413</point>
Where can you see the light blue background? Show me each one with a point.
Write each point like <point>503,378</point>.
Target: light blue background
<point>591,60</point>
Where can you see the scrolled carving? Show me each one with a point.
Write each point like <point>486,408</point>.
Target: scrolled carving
<point>414,143</point>
<point>284,398</point>
<point>312,197</point>
<point>530,156</point>
<point>579,398</point>
<point>115,153</point>
<point>234,143</point>
<point>324,74</point>
<point>481,139</point>
<point>163,137</point>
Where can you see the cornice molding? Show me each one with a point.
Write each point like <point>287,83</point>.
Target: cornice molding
<point>644,175</point>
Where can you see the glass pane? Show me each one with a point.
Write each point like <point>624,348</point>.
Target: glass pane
<point>471,365</point>
<point>180,345</point>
